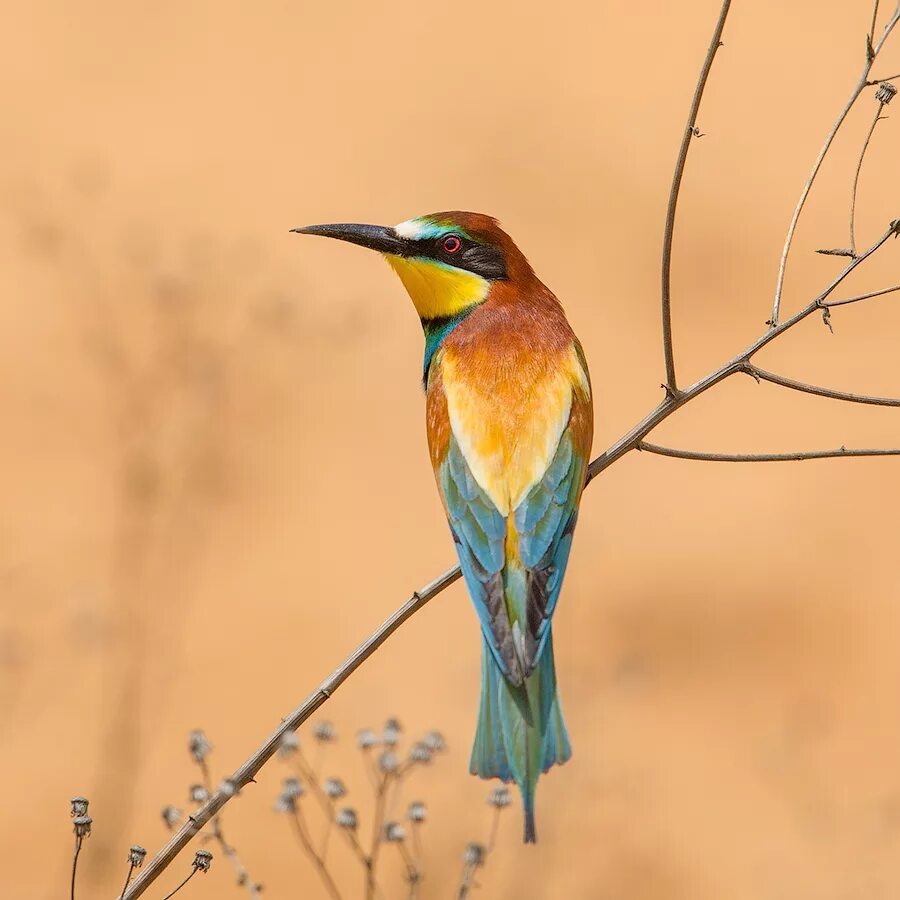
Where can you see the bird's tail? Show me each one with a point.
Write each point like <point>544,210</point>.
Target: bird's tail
<point>521,732</point>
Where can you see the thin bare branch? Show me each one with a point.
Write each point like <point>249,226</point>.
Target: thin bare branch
<point>874,23</point>
<point>832,303</point>
<point>861,85</point>
<point>763,375</point>
<point>305,841</point>
<point>875,81</point>
<point>764,457</point>
<point>75,854</point>
<point>668,236</point>
<point>180,886</point>
<point>859,165</point>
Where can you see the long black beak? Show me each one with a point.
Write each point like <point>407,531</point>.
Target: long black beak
<point>375,237</point>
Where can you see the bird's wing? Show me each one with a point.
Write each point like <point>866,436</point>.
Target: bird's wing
<point>544,522</point>
<point>513,560</point>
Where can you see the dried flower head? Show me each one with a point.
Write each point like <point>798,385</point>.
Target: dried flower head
<point>290,744</point>
<point>199,745</point>
<point>324,731</point>
<point>416,812</point>
<point>474,855</point>
<point>82,826</point>
<point>391,733</point>
<point>198,793</point>
<point>136,855</point>
<point>291,790</point>
<point>419,753</point>
<point>346,818</point>
<point>434,741</point>
<point>79,806</point>
<point>499,797</point>
<point>366,738</point>
<point>172,815</point>
<point>334,787</point>
<point>885,93</point>
<point>394,832</point>
<point>202,860</point>
<point>388,762</point>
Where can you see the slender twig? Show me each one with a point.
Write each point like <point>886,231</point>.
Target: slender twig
<point>832,303</point>
<point>859,165</point>
<point>75,854</point>
<point>764,457</point>
<point>874,22</point>
<point>875,81</point>
<point>127,878</point>
<point>180,886</point>
<point>381,793</point>
<point>306,842</point>
<point>763,375</point>
<point>669,233</point>
<point>871,53</point>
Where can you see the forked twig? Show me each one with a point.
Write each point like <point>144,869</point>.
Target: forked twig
<point>690,131</point>
<point>863,82</point>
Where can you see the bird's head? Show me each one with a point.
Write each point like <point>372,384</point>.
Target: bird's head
<point>448,262</point>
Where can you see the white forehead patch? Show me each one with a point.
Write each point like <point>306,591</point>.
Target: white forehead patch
<point>411,229</point>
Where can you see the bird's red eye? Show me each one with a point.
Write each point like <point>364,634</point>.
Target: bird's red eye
<point>451,243</point>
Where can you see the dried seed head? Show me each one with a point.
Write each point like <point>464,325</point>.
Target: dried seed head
<point>416,812</point>
<point>290,744</point>
<point>388,762</point>
<point>198,793</point>
<point>172,815</point>
<point>419,753</point>
<point>394,832</point>
<point>334,787</point>
<point>474,855</point>
<point>82,826</point>
<point>434,741</point>
<point>199,745</point>
<point>391,733</point>
<point>366,738</point>
<point>346,818</point>
<point>885,93</point>
<point>79,806</point>
<point>291,791</point>
<point>324,731</point>
<point>499,797</point>
<point>136,855</point>
<point>202,860</point>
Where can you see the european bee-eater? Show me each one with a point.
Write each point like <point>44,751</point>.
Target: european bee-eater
<point>510,422</point>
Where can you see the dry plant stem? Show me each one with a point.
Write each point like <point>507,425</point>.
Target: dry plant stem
<point>874,21</point>
<point>467,882</point>
<point>861,85</point>
<point>128,877</point>
<point>669,233</point>
<point>763,457</point>
<point>306,842</point>
<point>859,165</point>
<point>377,829</point>
<point>771,377</point>
<point>629,441</point>
<point>180,886</point>
<point>75,855</point>
<point>859,297</point>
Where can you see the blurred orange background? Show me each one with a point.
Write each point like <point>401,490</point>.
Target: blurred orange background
<point>213,465</point>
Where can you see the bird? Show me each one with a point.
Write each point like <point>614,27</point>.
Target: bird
<point>509,421</point>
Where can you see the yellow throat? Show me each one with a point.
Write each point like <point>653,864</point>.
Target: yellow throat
<point>438,291</point>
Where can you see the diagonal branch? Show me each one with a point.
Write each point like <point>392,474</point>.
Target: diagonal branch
<point>690,130</point>
<point>840,452</point>
<point>763,375</point>
<point>859,165</point>
<point>871,53</point>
